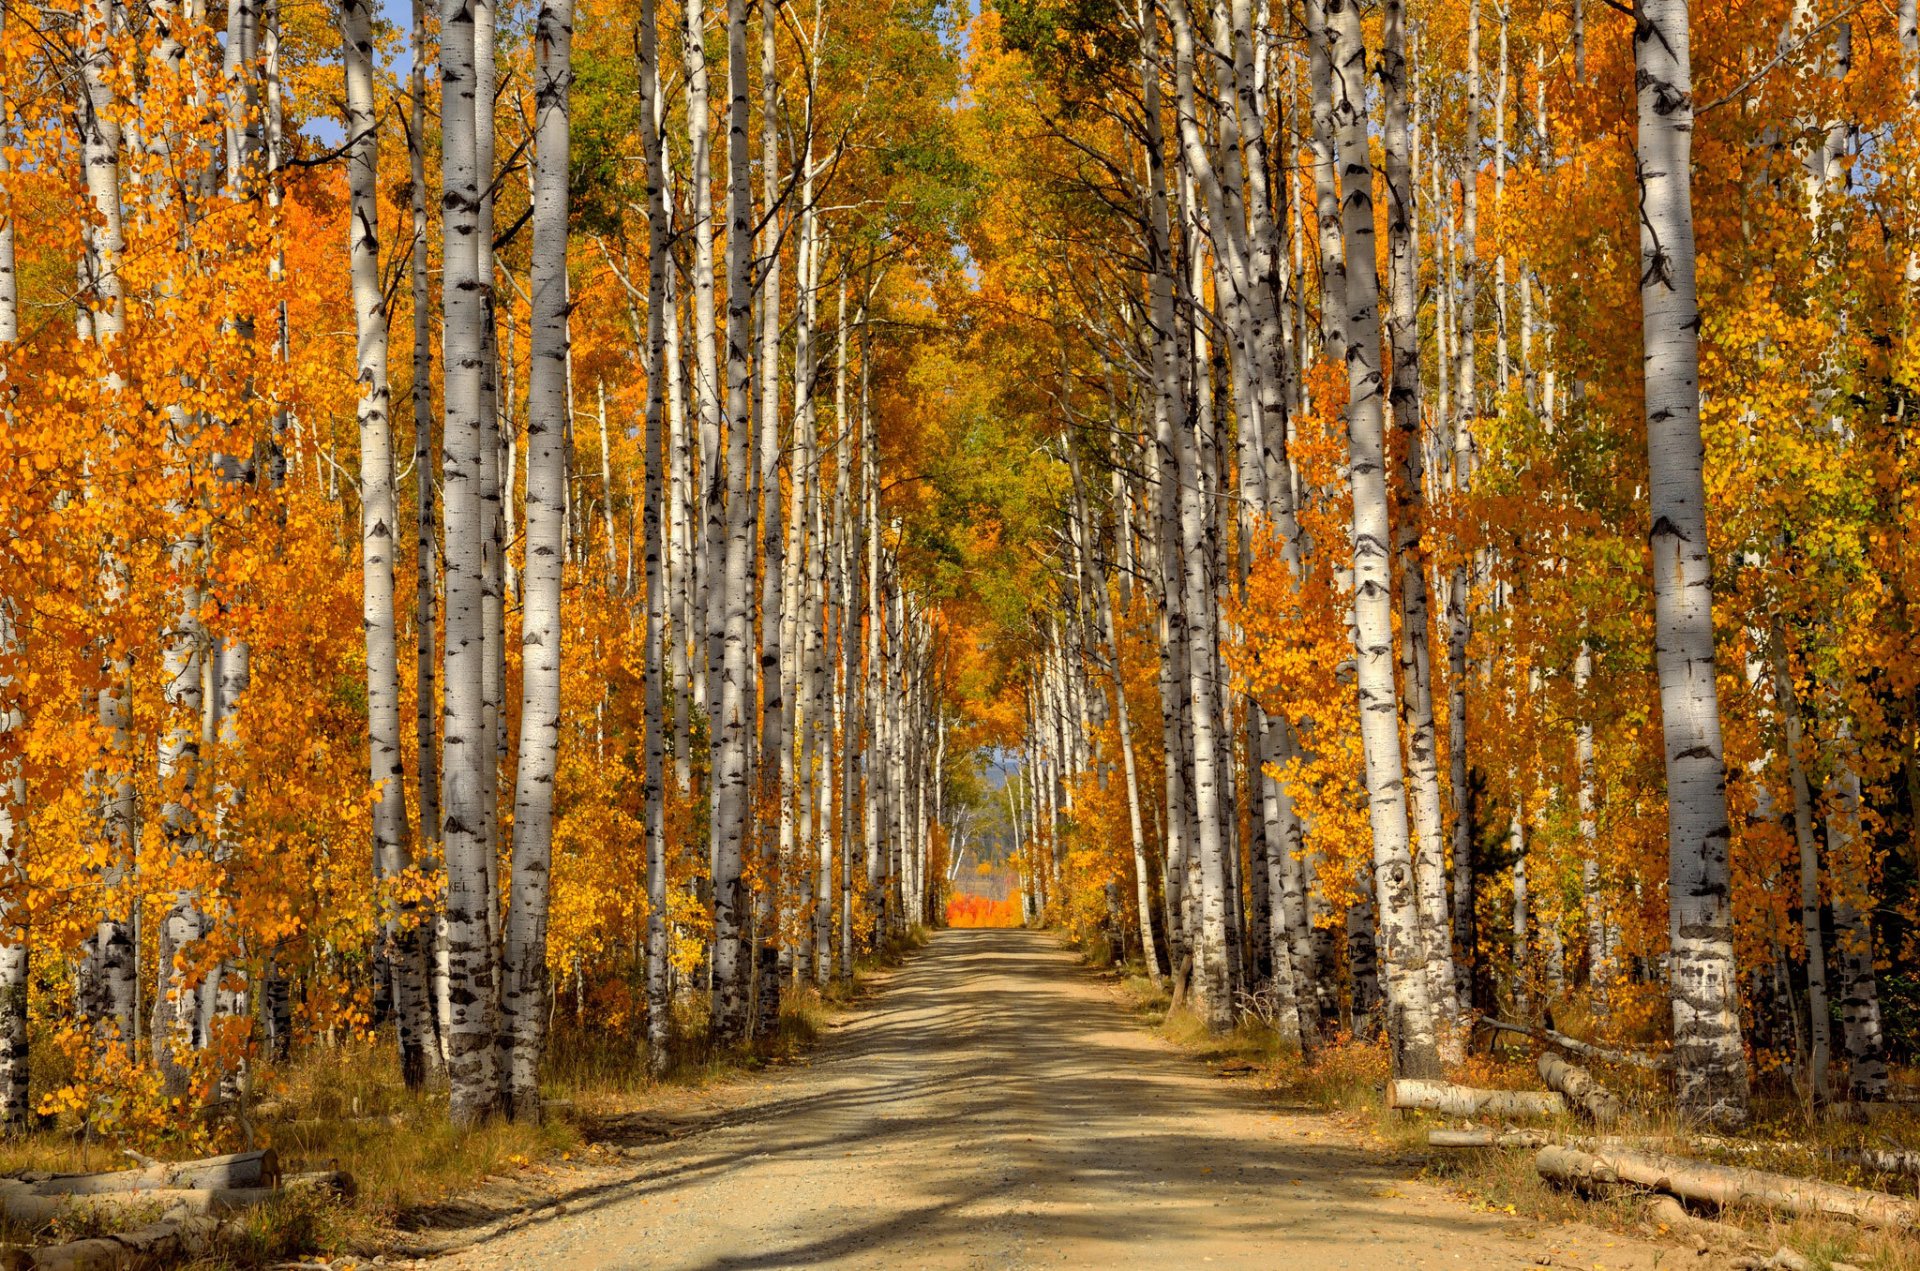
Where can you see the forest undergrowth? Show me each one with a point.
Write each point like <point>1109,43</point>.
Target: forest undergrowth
<point>1346,1080</point>
<point>344,1107</point>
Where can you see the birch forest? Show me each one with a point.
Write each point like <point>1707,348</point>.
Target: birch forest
<point>527,528</point>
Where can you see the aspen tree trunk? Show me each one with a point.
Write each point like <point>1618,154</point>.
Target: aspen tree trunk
<point>1411,1027</point>
<point>14,1106</point>
<point>606,486</point>
<point>524,984</point>
<point>775,684</point>
<point>103,318</point>
<point>731,796</point>
<point>847,565</point>
<point>1404,397</point>
<point>659,306</point>
<point>1143,892</point>
<point>1459,593</point>
<point>1819,1017</point>
<point>469,745</point>
<point>1326,185</point>
<point>1712,1069</point>
<point>492,530</point>
<point>1170,422</point>
<point>1860,1021</point>
<point>177,1021</point>
<point>1517,848</point>
<point>401,952</point>
<point>871,690</point>
<point>709,538</point>
<point>426,738</point>
<point>1599,937</point>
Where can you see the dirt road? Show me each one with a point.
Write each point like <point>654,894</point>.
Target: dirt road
<point>995,1108</point>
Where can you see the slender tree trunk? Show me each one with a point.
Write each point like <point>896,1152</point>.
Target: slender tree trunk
<point>401,952</point>
<point>731,812</point>
<point>426,736</point>
<point>1819,1017</point>
<point>775,740</point>
<point>469,746</point>
<point>1411,1027</point>
<point>525,989</point>
<point>659,306</point>
<point>1860,1021</point>
<point>1712,1067</point>
<point>1459,593</point>
<point>1404,397</point>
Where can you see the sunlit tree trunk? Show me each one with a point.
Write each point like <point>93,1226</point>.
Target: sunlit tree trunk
<point>1459,592</point>
<point>731,796</point>
<point>775,603</point>
<point>401,950</point>
<point>525,989</point>
<point>1712,1067</point>
<point>1411,1025</point>
<point>469,745</point>
<point>425,733</point>
<point>1404,397</point>
<point>659,305</point>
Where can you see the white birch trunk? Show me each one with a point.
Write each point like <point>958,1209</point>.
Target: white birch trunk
<point>425,732</point>
<point>1404,396</point>
<point>401,950</point>
<point>659,307</point>
<point>469,745</point>
<point>731,813</point>
<point>525,989</point>
<point>1712,1069</point>
<point>1411,1024</point>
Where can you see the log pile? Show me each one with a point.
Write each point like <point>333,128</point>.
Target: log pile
<point>182,1204</point>
<point>1721,1186</point>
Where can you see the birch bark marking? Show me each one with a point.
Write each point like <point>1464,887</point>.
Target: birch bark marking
<point>14,1106</point>
<point>659,302</point>
<point>103,316</point>
<point>1459,593</point>
<point>1712,1068</point>
<point>525,988</point>
<point>1411,1030</point>
<point>469,747</point>
<point>731,813</point>
<point>1416,667</point>
<point>775,735</point>
<point>1851,868</point>
<point>425,733</point>
<point>392,855</point>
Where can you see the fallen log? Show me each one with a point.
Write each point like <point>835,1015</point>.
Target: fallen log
<point>240,1169</point>
<point>156,1244</point>
<point>1880,1160</point>
<point>1588,1097</point>
<point>1467,1101</point>
<point>1724,1185</point>
<point>1489,1138</point>
<point>1586,1050</point>
<point>25,1204</point>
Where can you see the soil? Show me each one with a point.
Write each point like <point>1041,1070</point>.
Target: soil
<point>993,1106</point>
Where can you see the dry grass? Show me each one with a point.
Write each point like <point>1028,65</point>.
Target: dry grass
<point>345,1107</point>
<point>1349,1079</point>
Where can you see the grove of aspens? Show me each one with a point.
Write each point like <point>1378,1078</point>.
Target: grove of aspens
<point>527,527</point>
